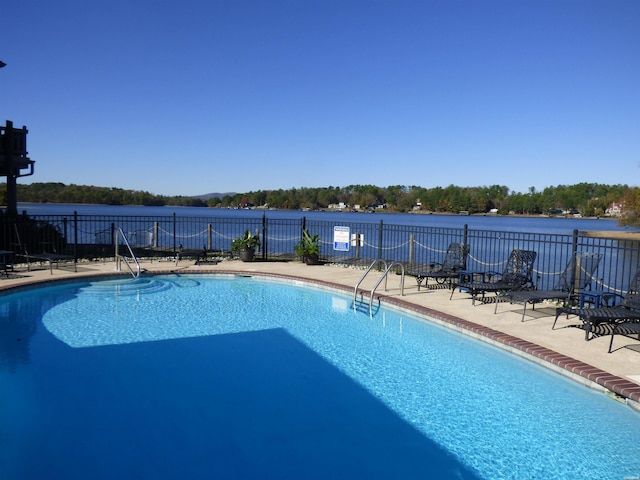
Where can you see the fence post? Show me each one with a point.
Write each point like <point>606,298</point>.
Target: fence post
<point>209,237</point>
<point>380,241</point>
<point>116,241</point>
<point>356,251</point>
<point>303,227</point>
<point>574,247</point>
<point>412,239</point>
<point>155,234</point>
<point>75,238</point>
<point>465,233</point>
<point>174,232</point>
<point>65,231</point>
<point>265,240</point>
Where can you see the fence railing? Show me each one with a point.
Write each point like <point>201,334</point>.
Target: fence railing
<point>91,236</point>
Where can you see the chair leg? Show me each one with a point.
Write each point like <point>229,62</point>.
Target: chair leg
<point>613,333</point>
<point>587,329</point>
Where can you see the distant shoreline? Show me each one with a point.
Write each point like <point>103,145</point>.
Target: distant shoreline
<point>613,234</point>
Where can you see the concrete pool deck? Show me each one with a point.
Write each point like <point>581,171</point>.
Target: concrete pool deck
<point>563,349</point>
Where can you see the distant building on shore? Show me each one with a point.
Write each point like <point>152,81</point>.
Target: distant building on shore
<point>614,210</point>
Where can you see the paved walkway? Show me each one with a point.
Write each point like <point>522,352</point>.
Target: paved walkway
<point>563,349</point>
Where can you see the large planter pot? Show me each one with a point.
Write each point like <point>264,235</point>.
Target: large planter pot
<point>312,259</point>
<point>247,254</point>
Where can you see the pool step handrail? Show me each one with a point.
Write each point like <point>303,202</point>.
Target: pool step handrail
<point>123,258</point>
<point>384,275</point>
<point>366,272</point>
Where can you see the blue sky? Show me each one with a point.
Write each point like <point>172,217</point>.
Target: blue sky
<point>199,96</point>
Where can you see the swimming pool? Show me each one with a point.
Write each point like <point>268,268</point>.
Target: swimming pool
<point>237,377</point>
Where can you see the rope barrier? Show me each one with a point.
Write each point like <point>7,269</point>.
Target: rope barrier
<point>609,288</point>
<point>286,239</point>
<point>431,249</point>
<point>194,235</point>
<point>487,263</point>
<point>410,246</point>
<point>395,247</point>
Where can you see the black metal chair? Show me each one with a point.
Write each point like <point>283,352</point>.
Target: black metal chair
<point>627,329</point>
<point>517,275</point>
<point>577,276</point>
<point>454,260</point>
<point>627,310</point>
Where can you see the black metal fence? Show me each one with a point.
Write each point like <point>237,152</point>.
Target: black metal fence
<point>89,236</point>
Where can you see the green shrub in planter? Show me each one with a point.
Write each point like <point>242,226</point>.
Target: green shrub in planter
<point>245,246</point>
<point>308,249</point>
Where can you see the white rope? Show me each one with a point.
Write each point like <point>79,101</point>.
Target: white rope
<point>609,288</point>
<point>92,231</point>
<point>199,234</point>
<point>395,247</point>
<point>551,274</point>
<point>487,263</point>
<point>282,239</point>
<point>226,237</point>
<point>428,247</point>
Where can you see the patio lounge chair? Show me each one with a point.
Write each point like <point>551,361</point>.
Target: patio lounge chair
<point>517,275</point>
<point>6,262</point>
<point>50,258</point>
<point>454,260</point>
<point>576,276</point>
<point>626,329</point>
<point>627,310</point>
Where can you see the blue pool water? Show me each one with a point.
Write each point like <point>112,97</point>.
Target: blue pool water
<point>244,378</point>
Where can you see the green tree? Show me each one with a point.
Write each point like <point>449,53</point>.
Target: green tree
<point>631,213</point>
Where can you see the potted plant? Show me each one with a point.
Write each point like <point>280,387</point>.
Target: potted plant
<point>308,249</point>
<point>245,246</point>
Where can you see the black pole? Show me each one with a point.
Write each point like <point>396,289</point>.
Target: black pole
<point>75,239</point>
<point>174,232</point>
<point>265,246</point>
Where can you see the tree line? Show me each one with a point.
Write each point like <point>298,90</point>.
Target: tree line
<point>54,192</point>
<point>587,199</point>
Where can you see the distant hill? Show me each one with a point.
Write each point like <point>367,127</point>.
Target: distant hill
<point>207,196</point>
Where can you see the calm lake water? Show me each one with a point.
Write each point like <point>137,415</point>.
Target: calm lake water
<point>489,222</point>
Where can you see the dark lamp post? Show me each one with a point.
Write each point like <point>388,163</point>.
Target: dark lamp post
<point>13,159</point>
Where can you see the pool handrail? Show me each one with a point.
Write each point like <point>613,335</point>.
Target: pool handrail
<point>373,264</point>
<point>122,258</point>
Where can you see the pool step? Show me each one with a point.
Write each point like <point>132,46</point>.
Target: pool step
<point>126,287</point>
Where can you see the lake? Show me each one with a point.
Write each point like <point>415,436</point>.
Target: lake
<point>488,222</point>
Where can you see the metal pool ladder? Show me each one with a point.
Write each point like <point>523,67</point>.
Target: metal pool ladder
<point>120,259</point>
<point>387,269</point>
